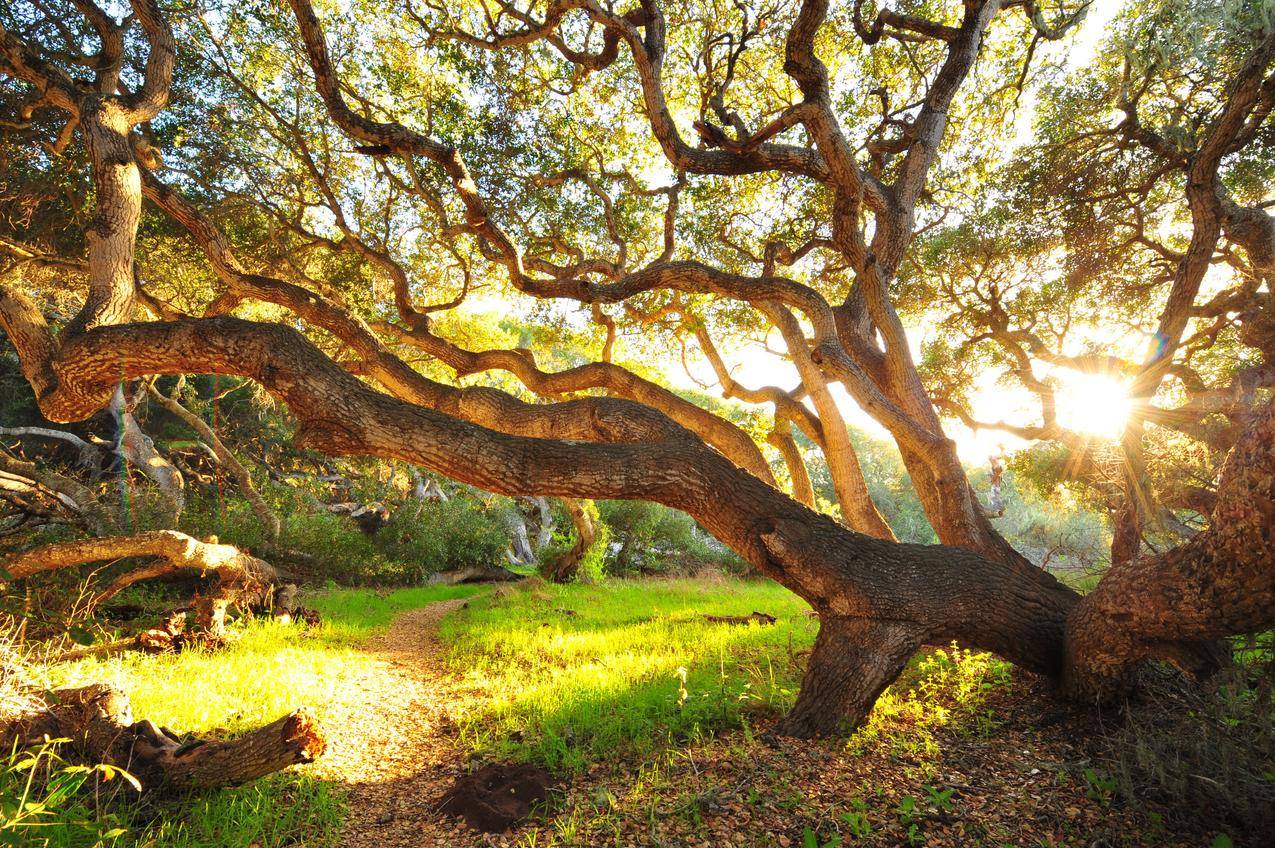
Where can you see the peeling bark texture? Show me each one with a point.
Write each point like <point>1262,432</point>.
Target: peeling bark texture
<point>99,722</point>
<point>138,450</point>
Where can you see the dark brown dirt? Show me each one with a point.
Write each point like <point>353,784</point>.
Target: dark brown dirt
<point>497,796</point>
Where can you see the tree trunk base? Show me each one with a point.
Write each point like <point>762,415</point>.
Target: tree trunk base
<point>854,660</point>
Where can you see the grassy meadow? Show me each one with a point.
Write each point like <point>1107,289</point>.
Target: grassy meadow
<point>624,691</point>
<point>569,674</point>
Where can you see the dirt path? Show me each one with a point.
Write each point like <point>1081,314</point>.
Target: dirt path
<point>391,739</point>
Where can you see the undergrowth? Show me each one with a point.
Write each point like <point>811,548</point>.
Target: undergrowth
<point>1208,752</point>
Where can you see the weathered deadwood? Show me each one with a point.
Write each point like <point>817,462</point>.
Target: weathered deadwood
<point>173,550</point>
<point>476,574</point>
<point>237,574</point>
<point>369,517</point>
<point>759,617</point>
<point>70,493</point>
<point>169,636</point>
<point>98,720</point>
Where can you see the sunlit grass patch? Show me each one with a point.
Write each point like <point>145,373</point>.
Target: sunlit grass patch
<point>635,666</point>
<point>352,614</point>
<point>940,688</point>
<point>275,812</point>
<point>268,670</point>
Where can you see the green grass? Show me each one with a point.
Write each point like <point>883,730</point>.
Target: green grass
<point>270,670</point>
<point>637,667</point>
<point>354,614</point>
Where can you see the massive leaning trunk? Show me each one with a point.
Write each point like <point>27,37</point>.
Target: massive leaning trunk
<point>933,593</point>
<point>1220,582</point>
<point>917,593</point>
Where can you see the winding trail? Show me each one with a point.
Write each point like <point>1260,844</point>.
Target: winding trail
<point>391,739</point>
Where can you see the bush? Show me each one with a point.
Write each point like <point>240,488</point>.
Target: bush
<point>341,551</point>
<point>421,538</point>
<point>230,519</point>
<point>426,537</point>
<point>650,538</point>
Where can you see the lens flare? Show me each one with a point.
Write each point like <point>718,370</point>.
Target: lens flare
<point>1093,403</point>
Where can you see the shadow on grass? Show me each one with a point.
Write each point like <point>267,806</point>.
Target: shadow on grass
<point>565,675</point>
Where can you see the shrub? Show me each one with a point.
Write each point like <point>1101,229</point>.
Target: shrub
<point>651,538</point>
<point>341,551</point>
<point>426,537</point>
<point>421,538</point>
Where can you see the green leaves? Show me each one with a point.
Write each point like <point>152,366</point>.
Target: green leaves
<point>81,635</point>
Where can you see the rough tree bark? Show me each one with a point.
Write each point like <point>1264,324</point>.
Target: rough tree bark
<point>853,661</point>
<point>99,722</point>
<point>878,599</point>
<point>1219,582</point>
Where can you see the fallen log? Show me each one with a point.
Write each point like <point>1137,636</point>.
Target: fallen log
<point>759,617</point>
<point>98,721</point>
<point>476,574</point>
<point>238,574</point>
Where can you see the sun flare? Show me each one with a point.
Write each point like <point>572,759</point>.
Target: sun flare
<point>1093,403</point>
